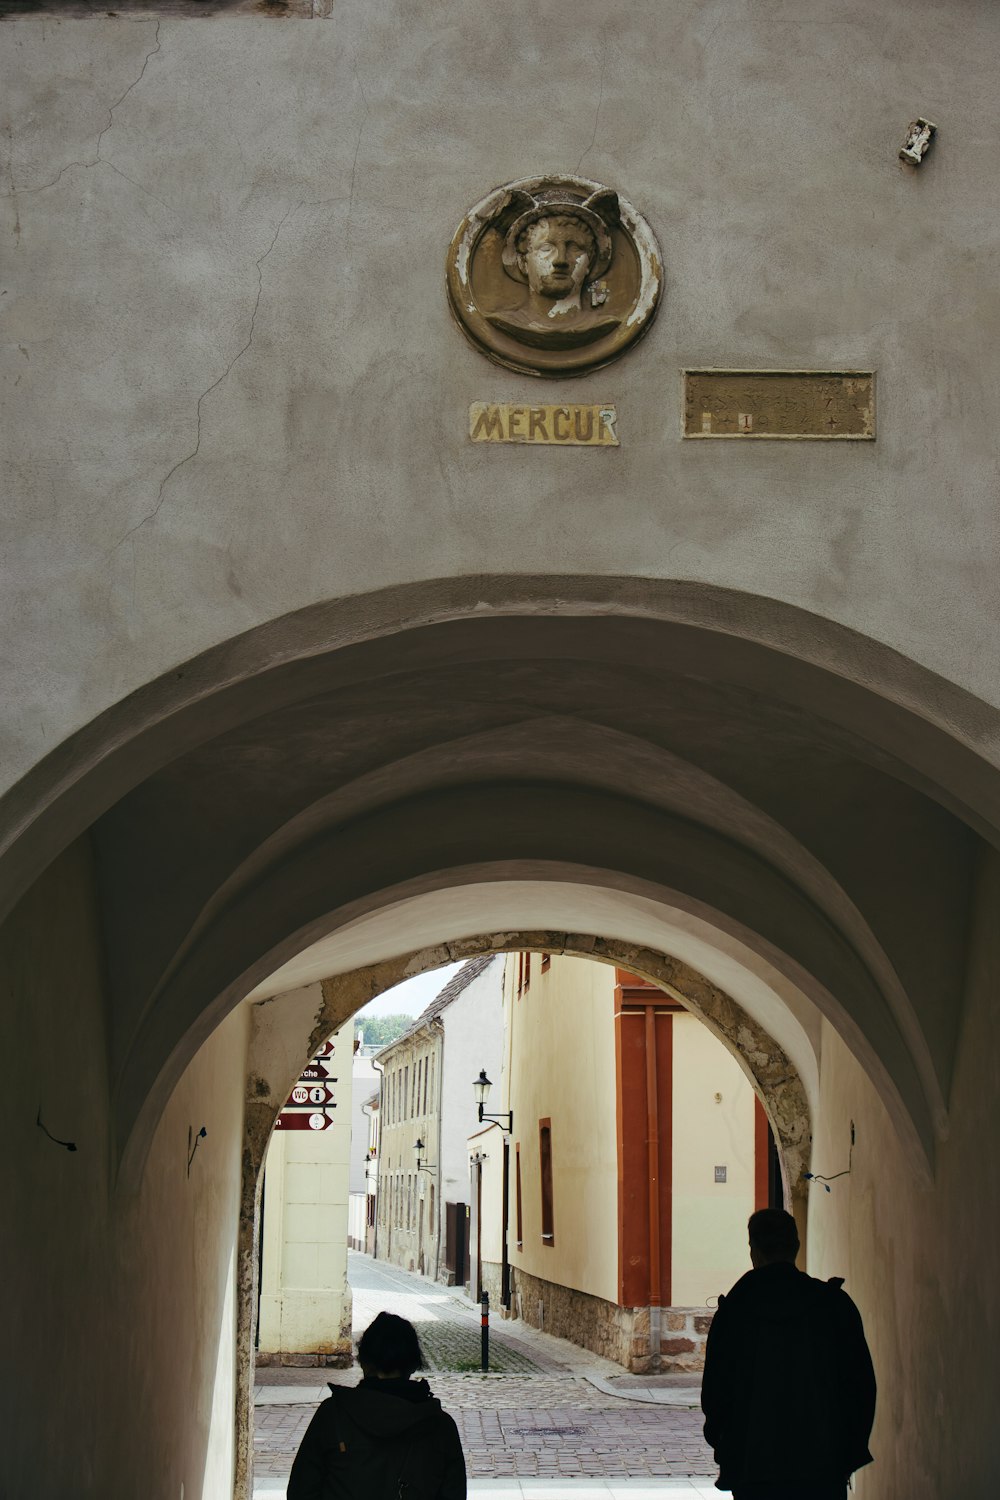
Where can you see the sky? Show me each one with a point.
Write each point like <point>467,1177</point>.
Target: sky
<point>413,995</point>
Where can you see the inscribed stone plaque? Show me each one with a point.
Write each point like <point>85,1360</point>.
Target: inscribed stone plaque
<point>779,404</point>
<point>559,426</point>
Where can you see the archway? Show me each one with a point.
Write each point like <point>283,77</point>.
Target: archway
<point>271,1070</point>
<point>809,828</point>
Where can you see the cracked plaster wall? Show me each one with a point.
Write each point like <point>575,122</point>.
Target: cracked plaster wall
<point>233,388</point>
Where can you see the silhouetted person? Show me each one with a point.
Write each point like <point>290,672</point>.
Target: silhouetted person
<point>385,1439</point>
<point>788,1390</point>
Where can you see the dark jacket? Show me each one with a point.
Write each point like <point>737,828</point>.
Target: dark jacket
<point>380,1440</point>
<point>788,1390</point>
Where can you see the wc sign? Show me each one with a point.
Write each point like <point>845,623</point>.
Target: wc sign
<point>305,1094</point>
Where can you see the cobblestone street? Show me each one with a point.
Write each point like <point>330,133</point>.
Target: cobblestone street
<point>547,1411</point>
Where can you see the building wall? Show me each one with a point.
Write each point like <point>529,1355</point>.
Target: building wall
<point>408,1219</point>
<point>562,1068</point>
<point>235,393</point>
<point>473,1031</point>
<point>920,1258</point>
<point>561,1065</point>
<point>809,248</point>
<point>709,1218</point>
<point>305,1301</point>
<point>78,1270</point>
<point>364,1083</point>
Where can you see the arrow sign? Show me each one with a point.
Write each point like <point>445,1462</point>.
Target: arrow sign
<point>299,1120</point>
<point>325,1050</point>
<point>310,1096</point>
<point>314,1073</point>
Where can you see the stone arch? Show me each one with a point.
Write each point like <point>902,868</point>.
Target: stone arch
<point>772,1073</point>
<point>790,678</point>
<point>950,737</point>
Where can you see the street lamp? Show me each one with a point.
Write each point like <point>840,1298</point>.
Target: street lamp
<point>422,1166</point>
<point>481,1088</point>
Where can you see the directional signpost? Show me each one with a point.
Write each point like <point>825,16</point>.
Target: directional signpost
<point>314,1071</point>
<point>299,1120</point>
<point>307,1105</point>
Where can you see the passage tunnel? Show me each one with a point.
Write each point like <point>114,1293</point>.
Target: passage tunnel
<point>329,656</point>
<point>581,785</point>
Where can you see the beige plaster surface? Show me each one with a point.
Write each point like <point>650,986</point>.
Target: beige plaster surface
<point>713,1121</point>
<point>131,1299</point>
<point>305,1301</point>
<point>562,1068</point>
<point>920,1260</point>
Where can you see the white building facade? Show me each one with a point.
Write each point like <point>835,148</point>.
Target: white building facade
<point>427,1098</point>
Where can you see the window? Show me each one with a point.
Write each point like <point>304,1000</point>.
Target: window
<point>523,973</point>
<point>517,1195</point>
<point>433,1079</point>
<point>418,1076</point>
<point>545,1164</point>
<point>406,1087</point>
<point>433,1229</point>
<point>546,962</point>
<point>427,1066</point>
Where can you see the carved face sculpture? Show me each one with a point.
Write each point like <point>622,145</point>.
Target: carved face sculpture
<point>553,275</point>
<point>556,255</point>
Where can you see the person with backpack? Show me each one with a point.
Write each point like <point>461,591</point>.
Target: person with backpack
<point>788,1390</point>
<point>387,1438</point>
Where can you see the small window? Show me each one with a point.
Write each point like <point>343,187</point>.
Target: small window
<point>545,1165</point>
<point>546,963</point>
<point>427,1068</point>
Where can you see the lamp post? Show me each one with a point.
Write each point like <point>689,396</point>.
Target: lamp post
<point>481,1089</point>
<point>422,1166</point>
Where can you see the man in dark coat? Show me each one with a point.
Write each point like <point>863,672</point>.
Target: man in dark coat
<point>385,1439</point>
<point>788,1390</point>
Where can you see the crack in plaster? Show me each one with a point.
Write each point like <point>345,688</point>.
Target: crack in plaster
<point>259,263</point>
<point>597,113</point>
<point>98,161</point>
<point>357,150</point>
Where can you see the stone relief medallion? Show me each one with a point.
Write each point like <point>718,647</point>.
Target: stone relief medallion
<point>554,275</point>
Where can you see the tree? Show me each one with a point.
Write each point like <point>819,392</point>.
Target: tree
<point>379,1031</point>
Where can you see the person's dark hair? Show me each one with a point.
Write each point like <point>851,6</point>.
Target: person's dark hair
<point>390,1344</point>
<point>773,1233</point>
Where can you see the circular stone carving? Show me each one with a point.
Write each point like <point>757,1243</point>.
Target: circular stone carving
<point>554,275</point>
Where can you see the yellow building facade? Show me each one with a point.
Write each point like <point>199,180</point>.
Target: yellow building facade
<point>631,1170</point>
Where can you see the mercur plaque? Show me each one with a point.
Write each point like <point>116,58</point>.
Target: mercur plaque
<point>558,426</point>
<point>554,275</point>
<point>779,404</point>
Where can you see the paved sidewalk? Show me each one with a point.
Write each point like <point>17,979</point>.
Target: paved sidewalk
<point>549,1416</point>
